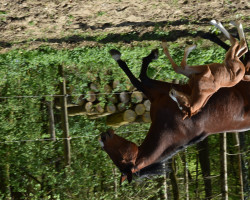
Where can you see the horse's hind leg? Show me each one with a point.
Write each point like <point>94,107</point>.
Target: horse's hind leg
<point>243,45</point>
<point>145,62</point>
<point>166,52</point>
<point>242,48</point>
<point>185,70</point>
<point>214,38</point>
<point>224,31</point>
<point>116,55</point>
<point>186,53</point>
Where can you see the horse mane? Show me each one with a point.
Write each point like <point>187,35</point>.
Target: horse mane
<point>155,169</point>
<point>161,167</point>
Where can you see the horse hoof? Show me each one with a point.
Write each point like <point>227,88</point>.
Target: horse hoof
<point>155,54</point>
<point>116,55</point>
<point>213,22</point>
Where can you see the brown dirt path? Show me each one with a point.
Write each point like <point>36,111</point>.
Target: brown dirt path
<point>66,23</point>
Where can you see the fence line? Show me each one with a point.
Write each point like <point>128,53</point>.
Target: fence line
<point>93,136</point>
<point>54,140</point>
<point>68,95</point>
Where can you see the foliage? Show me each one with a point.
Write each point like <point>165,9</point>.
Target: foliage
<point>36,168</point>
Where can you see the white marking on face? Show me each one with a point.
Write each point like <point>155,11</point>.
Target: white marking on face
<point>171,94</point>
<point>173,97</point>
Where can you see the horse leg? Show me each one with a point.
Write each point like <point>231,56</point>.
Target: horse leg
<point>243,45</point>
<point>199,102</point>
<point>213,38</point>
<point>202,86</point>
<point>176,68</point>
<point>224,31</point>
<point>235,66</point>
<point>148,86</point>
<point>185,69</point>
<point>187,51</point>
<point>145,63</point>
<point>116,55</point>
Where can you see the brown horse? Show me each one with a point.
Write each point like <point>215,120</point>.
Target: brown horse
<point>207,79</point>
<point>227,110</point>
<point>215,39</point>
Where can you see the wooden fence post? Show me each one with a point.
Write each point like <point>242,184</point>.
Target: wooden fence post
<point>51,120</point>
<point>65,123</point>
<point>224,178</point>
<point>237,141</point>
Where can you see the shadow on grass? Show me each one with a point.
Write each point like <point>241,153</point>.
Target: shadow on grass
<point>172,35</point>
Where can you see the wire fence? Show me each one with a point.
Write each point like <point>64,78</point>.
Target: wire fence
<point>58,138</point>
<point>67,95</point>
<point>95,136</point>
<point>75,137</point>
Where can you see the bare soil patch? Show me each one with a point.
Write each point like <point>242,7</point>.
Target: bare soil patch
<point>70,23</point>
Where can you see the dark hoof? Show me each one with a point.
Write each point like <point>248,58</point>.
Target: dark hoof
<point>155,54</point>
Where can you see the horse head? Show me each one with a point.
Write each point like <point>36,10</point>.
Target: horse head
<point>121,151</point>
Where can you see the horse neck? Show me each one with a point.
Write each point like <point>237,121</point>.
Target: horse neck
<point>159,146</point>
<point>154,88</point>
<point>161,141</point>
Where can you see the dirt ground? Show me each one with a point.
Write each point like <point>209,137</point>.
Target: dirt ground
<point>67,23</point>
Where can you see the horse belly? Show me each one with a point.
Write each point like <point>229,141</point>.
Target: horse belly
<point>226,111</point>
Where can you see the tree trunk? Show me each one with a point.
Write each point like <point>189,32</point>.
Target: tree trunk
<point>165,183</point>
<point>4,173</point>
<point>111,108</point>
<point>245,166</point>
<point>237,144</point>
<point>115,182</point>
<point>51,120</point>
<point>147,104</point>
<point>186,175</point>
<point>123,118</point>
<point>91,96</point>
<point>136,97</point>
<point>140,109</point>
<point>203,150</point>
<point>146,117</point>
<point>173,179</point>
<point>124,97</point>
<point>223,151</point>
<point>196,178</point>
